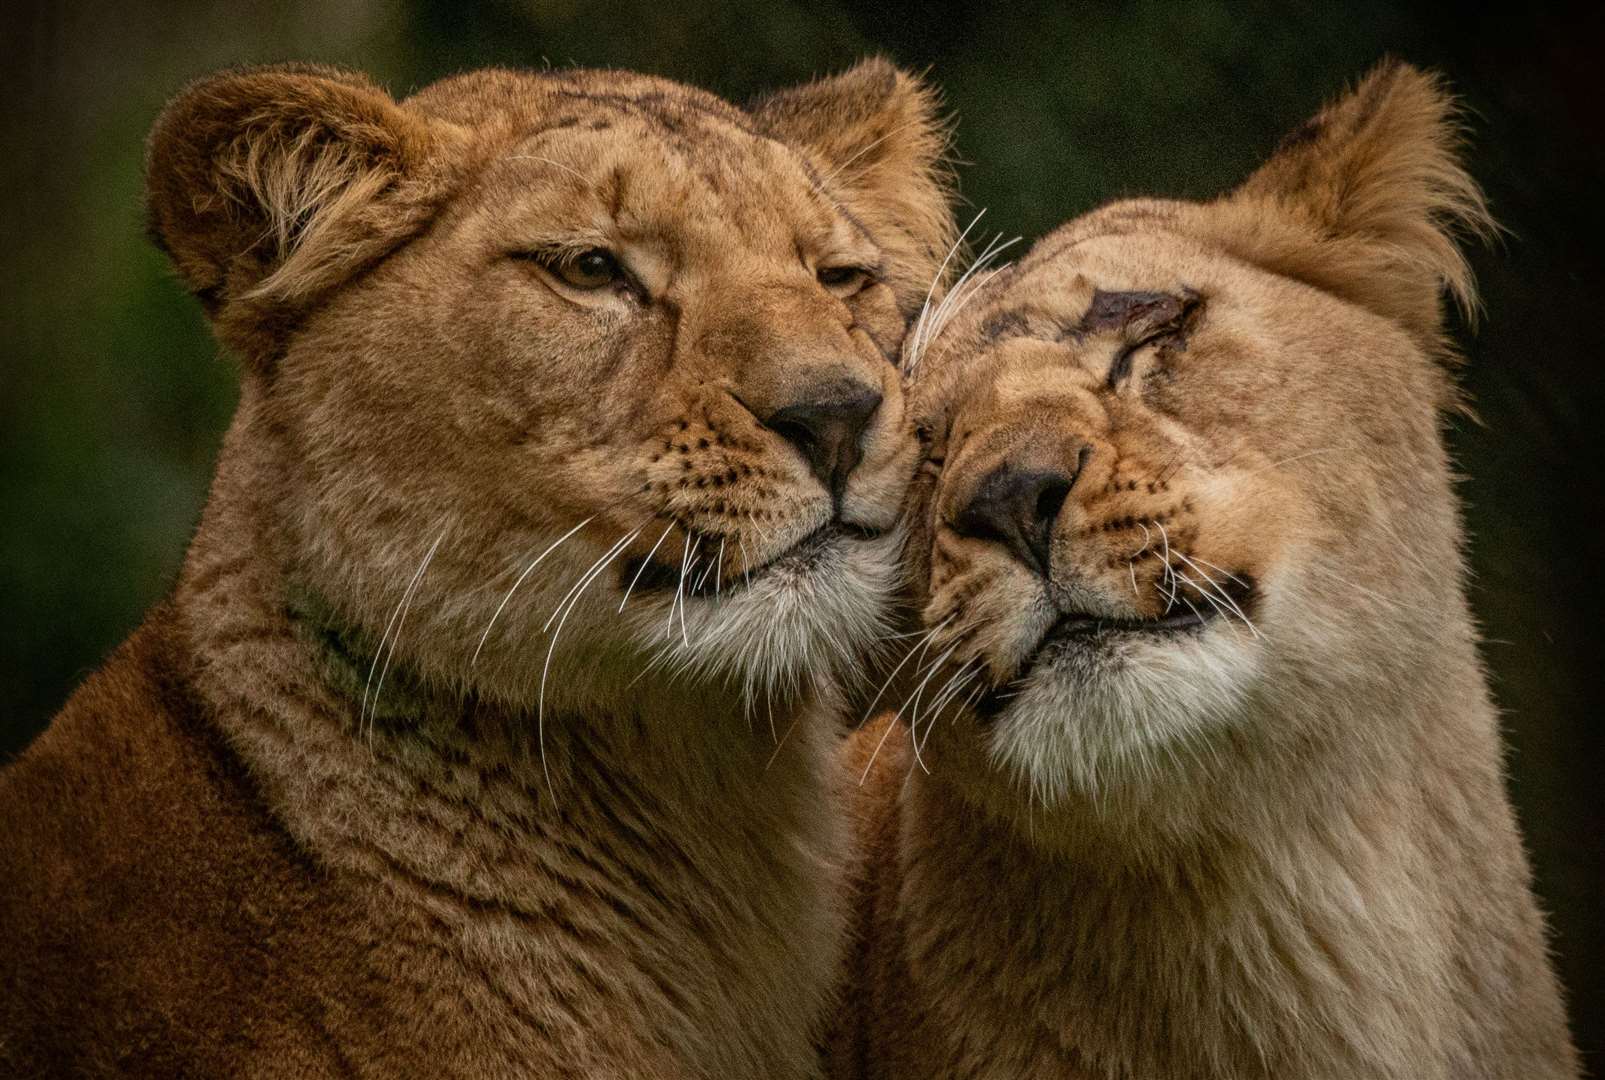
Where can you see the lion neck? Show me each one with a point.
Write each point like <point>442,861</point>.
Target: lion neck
<point>465,794</point>
<point>1270,906</point>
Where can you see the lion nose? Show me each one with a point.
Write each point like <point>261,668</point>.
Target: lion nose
<point>1017,507</point>
<point>827,427</point>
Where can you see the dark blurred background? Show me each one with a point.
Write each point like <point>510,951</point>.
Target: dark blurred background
<point>113,397</point>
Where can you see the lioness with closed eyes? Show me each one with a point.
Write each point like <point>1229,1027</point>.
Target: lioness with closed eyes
<point>1201,777</point>
<point>487,731</point>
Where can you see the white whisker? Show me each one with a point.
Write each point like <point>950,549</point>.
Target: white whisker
<point>549,161</point>
<point>527,571</point>
<point>936,665</point>
<point>646,562</point>
<point>398,619</point>
<point>546,667</point>
<point>925,640</point>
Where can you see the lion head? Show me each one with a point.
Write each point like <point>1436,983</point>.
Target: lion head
<point>545,371</point>
<point>1184,475</point>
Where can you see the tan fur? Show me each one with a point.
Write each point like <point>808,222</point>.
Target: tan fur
<point>1272,850</point>
<point>416,774</point>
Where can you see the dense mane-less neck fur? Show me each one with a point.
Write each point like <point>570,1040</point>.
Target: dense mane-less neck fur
<point>664,889</point>
<point>1310,918</point>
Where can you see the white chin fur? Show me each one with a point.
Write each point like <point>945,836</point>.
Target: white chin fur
<point>1095,719</point>
<point>803,624</point>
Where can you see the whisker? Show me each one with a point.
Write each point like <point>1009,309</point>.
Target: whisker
<point>549,161</point>
<point>546,667</point>
<point>398,619</point>
<point>703,580</point>
<point>925,639</point>
<point>927,330</point>
<point>918,646</point>
<point>957,682</point>
<point>964,290</point>
<point>1290,460</point>
<point>780,742</point>
<point>839,169</point>
<point>1183,578</point>
<point>527,571</point>
<point>936,665</point>
<point>925,308</point>
<point>1221,570</point>
<point>679,591</point>
<point>1222,592</point>
<point>645,563</point>
<point>590,572</point>
<point>1170,571</point>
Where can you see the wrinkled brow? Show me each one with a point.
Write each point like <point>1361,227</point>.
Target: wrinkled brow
<point>1132,313</point>
<point>1142,312</point>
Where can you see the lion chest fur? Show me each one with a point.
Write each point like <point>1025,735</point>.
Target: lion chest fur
<point>1383,933</point>
<point>231,881</point>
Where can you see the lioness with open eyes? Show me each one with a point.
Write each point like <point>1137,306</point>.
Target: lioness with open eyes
<point>487,731</point>
<point>1202,778</point>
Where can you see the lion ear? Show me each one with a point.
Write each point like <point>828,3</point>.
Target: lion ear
<point>877,136</point>
<point>1369,200</point>
<point>270,185</point>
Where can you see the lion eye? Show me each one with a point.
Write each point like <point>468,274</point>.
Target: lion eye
<point>591,269</point>
<point>843,280</point>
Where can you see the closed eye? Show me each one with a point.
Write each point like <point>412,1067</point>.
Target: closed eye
<point>1120,368</point>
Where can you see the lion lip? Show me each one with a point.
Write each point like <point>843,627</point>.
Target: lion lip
<point>1181,614</point>
<point>1079,629</point>
<point>1081,625</point>
<point>698,581</point>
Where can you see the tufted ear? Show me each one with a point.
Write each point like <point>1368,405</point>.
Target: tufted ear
<point>268,186</point>
<point>877,137</point>
<point>1368,200</point>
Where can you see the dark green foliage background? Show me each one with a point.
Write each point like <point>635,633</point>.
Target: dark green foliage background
<point>113,397</point>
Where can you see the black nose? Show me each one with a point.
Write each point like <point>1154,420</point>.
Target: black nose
<point>827,427</point>
<point>1017,507</point>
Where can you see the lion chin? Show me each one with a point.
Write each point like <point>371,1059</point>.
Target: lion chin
<point>800,626</point>
<point>1097,715</point>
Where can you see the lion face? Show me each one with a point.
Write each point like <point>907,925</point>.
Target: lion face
<point>1173,483</point>
<point>625,369</point>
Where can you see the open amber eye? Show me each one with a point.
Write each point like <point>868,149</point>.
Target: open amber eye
<point>588,270</point>
<point>843,280</point>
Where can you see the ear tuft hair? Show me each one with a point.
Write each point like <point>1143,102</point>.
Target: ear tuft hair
<point>877,135</point>
<point>271,185</point>
<point>1369,200</point>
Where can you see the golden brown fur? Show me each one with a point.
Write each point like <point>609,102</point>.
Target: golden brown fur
<point>1200,776</point>
<point>487,733</point>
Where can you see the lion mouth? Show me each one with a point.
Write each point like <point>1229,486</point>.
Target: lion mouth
<point>1087,633</point>
<point>706,576</point>
<point>1231,599</point>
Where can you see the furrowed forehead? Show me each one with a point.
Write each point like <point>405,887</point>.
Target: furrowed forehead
<point>655,140</point>
<point>1098,276</point>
